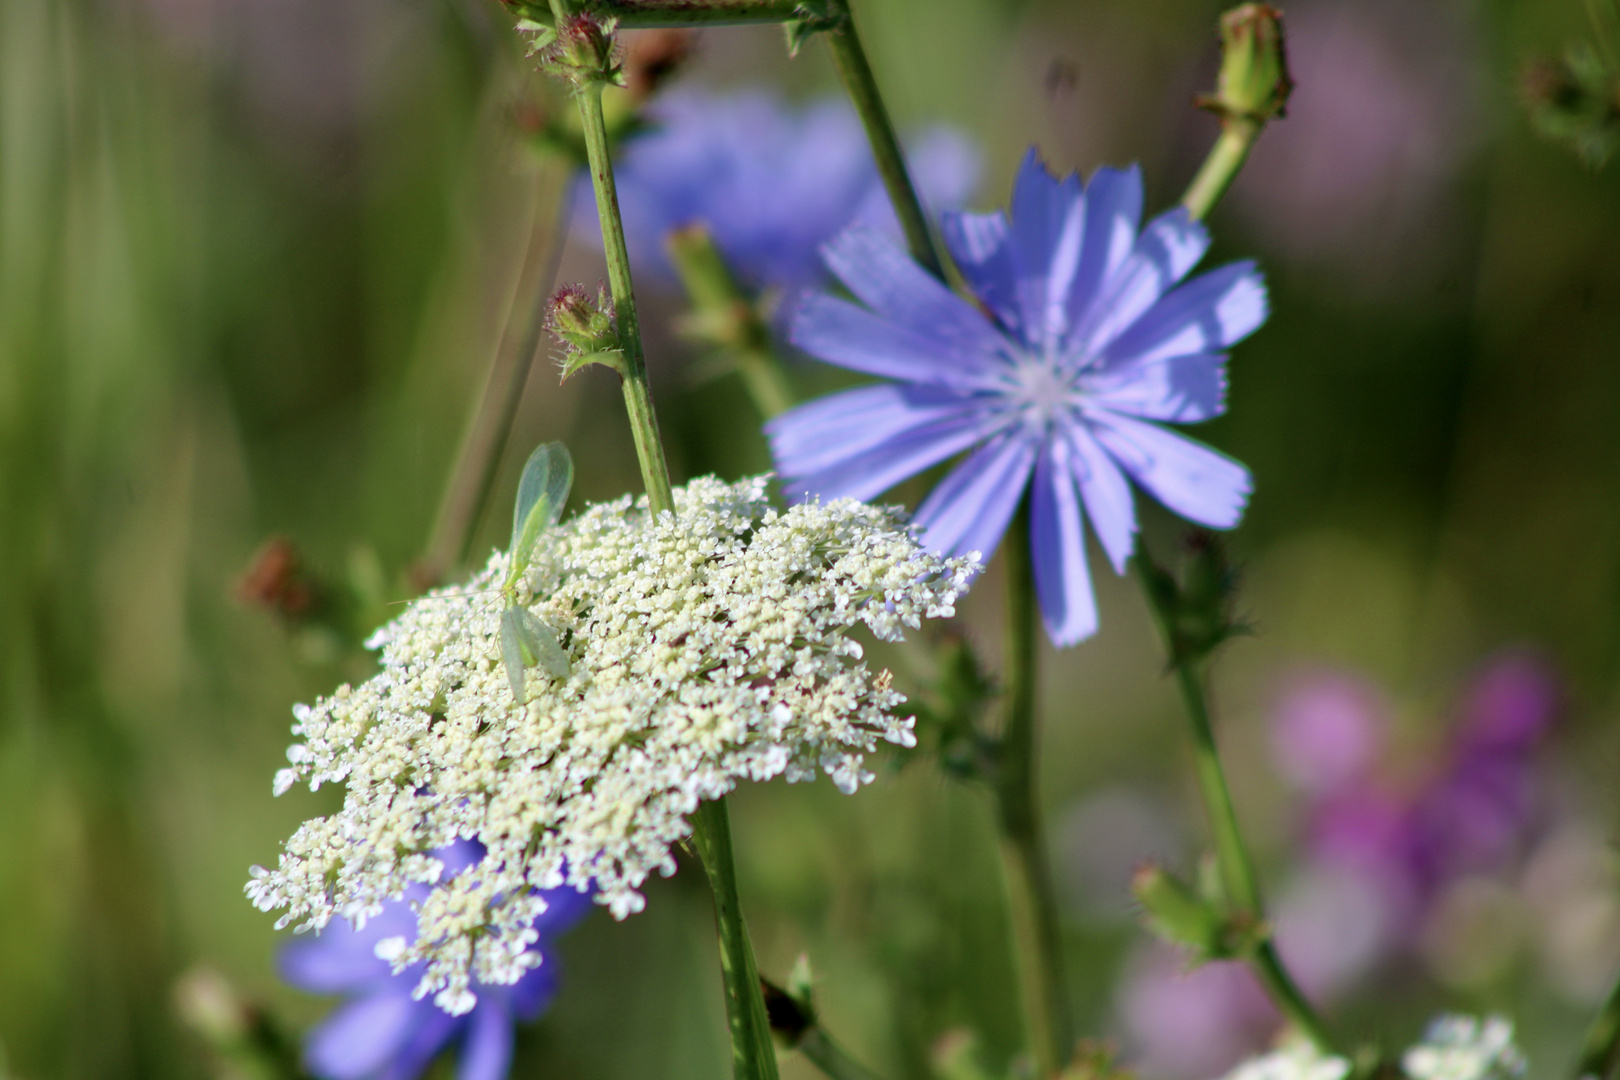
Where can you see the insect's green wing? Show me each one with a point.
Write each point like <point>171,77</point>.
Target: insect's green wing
<point>542,492</point>
<point>527,642</point>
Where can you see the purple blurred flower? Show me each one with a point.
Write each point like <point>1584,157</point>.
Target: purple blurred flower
<point>770,181</point>
<point>1083,338</point>
<point>383,1033</point>
<point>1379,856</point>
<point>1327,730</point>
<point>1473,811</point>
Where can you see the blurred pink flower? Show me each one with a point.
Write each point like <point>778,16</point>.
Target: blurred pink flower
<point>1377,856</point>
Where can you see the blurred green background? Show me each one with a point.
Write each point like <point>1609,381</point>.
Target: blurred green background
<point>255,259</point>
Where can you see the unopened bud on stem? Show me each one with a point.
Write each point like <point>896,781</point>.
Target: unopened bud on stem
<point>585,327</point>
<point>584,51</point>
<point>1254,84</point>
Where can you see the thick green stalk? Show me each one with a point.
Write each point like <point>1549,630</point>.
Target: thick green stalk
<point>651,13</point>
<point>861,85</point>
<point>1600,1050</point>
<point>1237,871</point>
<point>752,1049</point>
<point>637,393</point>
<point>1220,168</point>
<point>1037,941</point>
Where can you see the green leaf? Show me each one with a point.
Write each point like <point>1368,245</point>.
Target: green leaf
<point>542,491</point>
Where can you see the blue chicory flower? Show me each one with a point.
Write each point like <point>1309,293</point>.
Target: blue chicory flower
<point>383,1032</point>
<point>1084,342</point>
<point>771,182</point>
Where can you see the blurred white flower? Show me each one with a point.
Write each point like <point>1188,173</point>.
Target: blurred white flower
<point>1296,1059</point>
<point>1465,1048</point>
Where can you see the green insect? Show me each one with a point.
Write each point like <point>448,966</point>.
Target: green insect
<point>526,641</point>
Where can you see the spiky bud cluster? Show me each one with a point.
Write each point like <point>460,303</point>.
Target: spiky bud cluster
<point>584,325</point>
<point>585,51</point>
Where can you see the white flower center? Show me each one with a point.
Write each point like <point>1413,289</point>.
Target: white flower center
<point>1042,388</point>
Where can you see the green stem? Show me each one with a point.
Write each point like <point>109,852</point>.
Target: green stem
<point>1600,1050</point>
<point>724,314</point>
<point>861,85</point>
<point>752,1049</point>
<point>1038,944</point>
<point>638,401</point>
<point>1237,871</point>
<point>832,1059</point>
<point>1220,168</point>
<point>651,13</point>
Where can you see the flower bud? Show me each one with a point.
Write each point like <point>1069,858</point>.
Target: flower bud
<point>790,1016</point>
<point>277,581</point>
<point>1177,914</point>
<point>1254,82</point>
<point>585,52</point>
<point>585,327</point>
<point>1196,607</point>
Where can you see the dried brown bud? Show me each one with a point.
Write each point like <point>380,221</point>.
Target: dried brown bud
<point>652,57</point>
<point>275,580</point>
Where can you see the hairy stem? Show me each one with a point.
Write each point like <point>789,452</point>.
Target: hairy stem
<point>1038,945</point>
<point>473,477</point>
<point>638,401</point>
<point>753,1053</point>
<point>1220,168</point>
<point>1600,1050</point>
<point>1237,871</point>
<point>861,85</point>
<point>752,1050</point>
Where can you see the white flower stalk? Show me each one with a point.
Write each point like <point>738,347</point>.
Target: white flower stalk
<point>1295,1059</point>
<point>1465,1048</point>
<point>703,648</point>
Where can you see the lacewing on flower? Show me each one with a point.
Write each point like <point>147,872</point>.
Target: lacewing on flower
<point>542,492</point>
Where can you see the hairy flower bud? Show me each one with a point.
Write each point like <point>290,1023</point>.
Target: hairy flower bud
<point>585,52</point>
<point>584,325</point>
<point>1178,914</point>
<point>1254,83</point>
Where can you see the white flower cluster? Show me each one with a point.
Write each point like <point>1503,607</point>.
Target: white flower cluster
<point>1453,1048</point>
<point>1295,1059</point>
<point>704,647</point>
<point>1465,1048</point>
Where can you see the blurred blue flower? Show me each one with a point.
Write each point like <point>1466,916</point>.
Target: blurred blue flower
<point>771,181</point>
<point>1082,339</point>
<point>383,1033</point>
